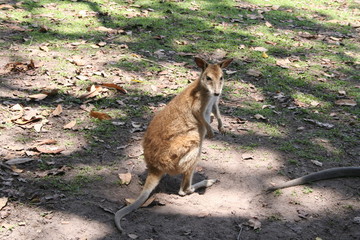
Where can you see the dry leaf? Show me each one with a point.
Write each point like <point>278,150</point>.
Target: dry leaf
<point>50,92</point>
<point>247,156</point>
<point>112,85</point>
<point>260,117</point>
<point>125,178</point>
<point>19,161</point>
<point>17,107</point>
<point>44,48</point>
<point>58,110</point>
<point>317,163</point>
<point>271,43</point>
<point>268,24</point>
<point>38,127</point>
<point>3,202</point>
<point>320,124</point>
<point>24,121</point>
<point>260,49</point>
<point>132,236</point>
<point>38,97</point>
<point>264,55</point>
<point>145,204</point>
<point>346,102</point>
<point>254,72</point>
<point>93,91</point>
<point>16,170</point>
<point>99,115</point>
<point>50,149</point>
<point>77,60</point>
<point>254,223</point>
<point>45,141</point>
<point>283,63</point>
<point>70,125</point>
<point>102,44</point>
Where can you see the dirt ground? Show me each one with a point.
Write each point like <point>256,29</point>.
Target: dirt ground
<point>234,208</point>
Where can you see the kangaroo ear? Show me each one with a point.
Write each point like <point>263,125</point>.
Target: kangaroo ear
<point>225,63</point>
<point>201,63</point>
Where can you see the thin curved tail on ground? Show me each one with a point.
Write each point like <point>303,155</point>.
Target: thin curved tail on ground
<point>321,175</point>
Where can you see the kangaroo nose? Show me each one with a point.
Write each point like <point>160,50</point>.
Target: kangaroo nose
<point>216,94</point>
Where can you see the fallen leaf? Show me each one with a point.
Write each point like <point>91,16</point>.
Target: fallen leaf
<point>125,178</point>
<point>58,110</point>
<point>320,124</point>
<point>264,55</point>
<point>6,7</point>
<point>99,115</point>
<point>112,85</point>
<point>19,161</point>
<point>45,141</point>
<point>38,127</point>
<point>50,92</point>
<point>70,125</point>
<point>247,156</point>
<point>342,92</point>
<point>3,202</point>
<point>93,91</point>
<point>317,163</point>
<point>346,102</point>
<point>44,48</point>
<point>16,170</point>
<point>254,223</point>
<point>38,96</point>
<point>17,107</point>
<point>271,43</point>
<point>159,37</point>
<point>260,49</point>
<point>283,63</point>
<point>229,72</point>
<point>50,149</point>
<point>24,121</point>
<point>102,44</point>
<point>77,60</point>
<point>254,72</point>
<point>260,117</point>
<point>132,236</point>
<point>268,24</point>
<point>136,124</point>
<point>145,204</point>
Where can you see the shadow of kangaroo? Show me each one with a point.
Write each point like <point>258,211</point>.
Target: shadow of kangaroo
<point>173,140</point>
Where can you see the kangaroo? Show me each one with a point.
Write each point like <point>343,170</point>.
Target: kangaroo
<point>173,140</point>
<point>321,175</point>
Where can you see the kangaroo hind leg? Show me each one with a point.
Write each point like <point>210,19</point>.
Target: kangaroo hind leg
<point>186,185</point>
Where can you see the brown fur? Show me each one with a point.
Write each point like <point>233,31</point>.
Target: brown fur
<point>172,143</point>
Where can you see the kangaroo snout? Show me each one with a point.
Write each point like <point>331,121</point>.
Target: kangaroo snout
<point>216,94</point>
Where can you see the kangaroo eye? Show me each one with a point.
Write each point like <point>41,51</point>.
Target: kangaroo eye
<point>208,79</point>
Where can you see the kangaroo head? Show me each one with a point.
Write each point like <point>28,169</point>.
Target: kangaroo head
<point>211,78</point>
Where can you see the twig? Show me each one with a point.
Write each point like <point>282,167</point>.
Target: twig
<point>239,235</point>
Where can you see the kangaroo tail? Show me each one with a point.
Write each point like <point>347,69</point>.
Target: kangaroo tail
<point>152,181</point>
<point>321,175</point>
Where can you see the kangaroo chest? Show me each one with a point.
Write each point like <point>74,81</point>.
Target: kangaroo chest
<point>209,107</point>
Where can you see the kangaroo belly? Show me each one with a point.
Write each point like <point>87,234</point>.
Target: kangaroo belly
<point>175,155</point>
